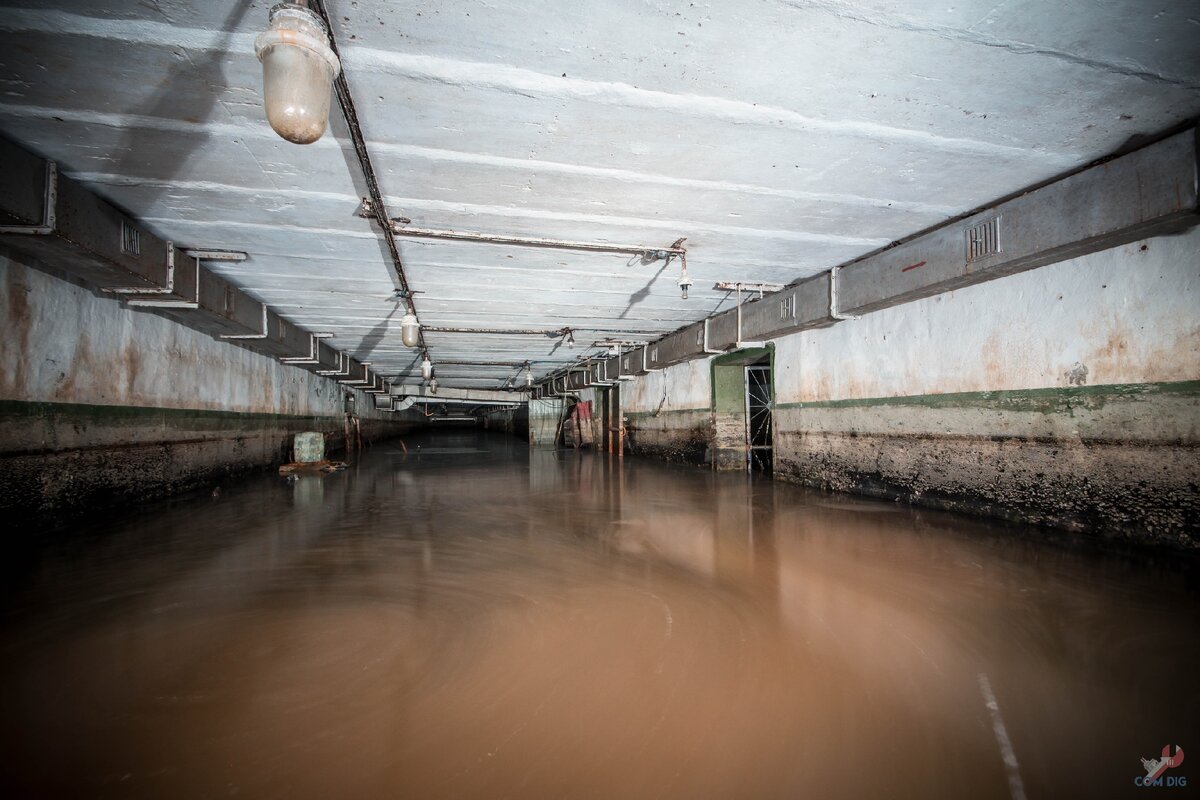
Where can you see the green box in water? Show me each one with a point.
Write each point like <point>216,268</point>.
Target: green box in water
<point>309,447</point>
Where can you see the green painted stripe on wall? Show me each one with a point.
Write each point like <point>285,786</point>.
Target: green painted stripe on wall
<point>1049,400</point>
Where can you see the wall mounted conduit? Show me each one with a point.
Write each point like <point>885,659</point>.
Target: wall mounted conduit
<point>400,228</point>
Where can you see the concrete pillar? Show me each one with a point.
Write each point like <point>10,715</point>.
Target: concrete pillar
<point>545,415</point>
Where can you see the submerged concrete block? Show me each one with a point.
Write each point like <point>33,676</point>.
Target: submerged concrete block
<point>309,447</point>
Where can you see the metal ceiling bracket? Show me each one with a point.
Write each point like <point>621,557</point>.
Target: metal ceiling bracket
<point>399,228</point>
<point>312,357</point>
<point>834,313</point>
<point>646,359</point>
<point>381,385</point>
<point>704,345</point>
<point>364,382</point>
<point>599,381</point>
<point>343,369</point>
<point>738,343</point>
<point>150,302</point>
<point>262,335</point>
<point>49,208</point>
<point>619,376</point>
<point>216,255</point>
<point>168,289</point>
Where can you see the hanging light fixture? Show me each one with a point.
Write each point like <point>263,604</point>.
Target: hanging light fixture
<point>298,72</point>
<point>685,282</point>
<point>570,338</point>
<point>410,329</point>
<point>426,368</point>
<point>528,374</point>
<point>433,384</point>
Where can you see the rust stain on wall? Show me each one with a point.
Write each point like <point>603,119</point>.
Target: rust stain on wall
<point>19,321</point>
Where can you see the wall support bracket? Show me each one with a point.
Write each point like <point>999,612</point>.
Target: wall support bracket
<point>313,354</point>
<point>216,255</point>
<point>362,383</point>
<point>646,361</point>
<point>704,344</point>
<point>142,290</point>
<point>342,371</point>
<point>155,302</point>
<point>262,335</point>
<point>834,313</point>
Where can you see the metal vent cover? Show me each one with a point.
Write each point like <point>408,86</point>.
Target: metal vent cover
<point>131,239</point>
<point>787,307</point>
<point>983,239</point>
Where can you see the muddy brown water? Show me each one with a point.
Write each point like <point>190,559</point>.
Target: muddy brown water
<point>471,620</point>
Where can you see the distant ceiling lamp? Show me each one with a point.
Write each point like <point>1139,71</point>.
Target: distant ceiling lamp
<point>410,329</point>
<point>570,338</point>
<point>528,375</point>
<point>426,368</point>
<point>298,72</point>
<point>433,386</point>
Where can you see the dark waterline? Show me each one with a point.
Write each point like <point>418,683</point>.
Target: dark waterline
<point>475,620</point>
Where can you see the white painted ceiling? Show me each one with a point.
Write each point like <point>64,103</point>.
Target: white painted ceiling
<point>781,137</point>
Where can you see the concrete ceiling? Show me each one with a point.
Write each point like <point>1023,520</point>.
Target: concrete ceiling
<point>780,137</point>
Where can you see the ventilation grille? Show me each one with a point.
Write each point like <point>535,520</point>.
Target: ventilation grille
<point>983,239</point>
<point>131,240</point>
<point>787,307</point>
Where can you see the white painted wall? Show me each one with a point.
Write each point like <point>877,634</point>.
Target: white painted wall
<point>686,386</point>
<point>61,343</point>
<point>1128,314</point>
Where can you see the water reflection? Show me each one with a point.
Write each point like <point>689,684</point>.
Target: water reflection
<point>475,620</point>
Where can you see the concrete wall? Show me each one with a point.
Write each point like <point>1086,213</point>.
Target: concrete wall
<point>1068,396</point>
<point>668,414</point>
<point>545,417</point>
<point>102,404</point>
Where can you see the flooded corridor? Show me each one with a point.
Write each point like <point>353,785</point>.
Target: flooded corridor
<point>471,619</point>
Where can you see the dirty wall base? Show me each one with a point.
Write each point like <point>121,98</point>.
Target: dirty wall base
<point>1128,468</point>
<point>682,437</point>
<point>61,459</point>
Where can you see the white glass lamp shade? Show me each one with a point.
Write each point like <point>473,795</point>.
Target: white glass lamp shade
<point>426,369</point>
<point>433,384</point>
<point>410,330</point>
<point>298,72</point>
